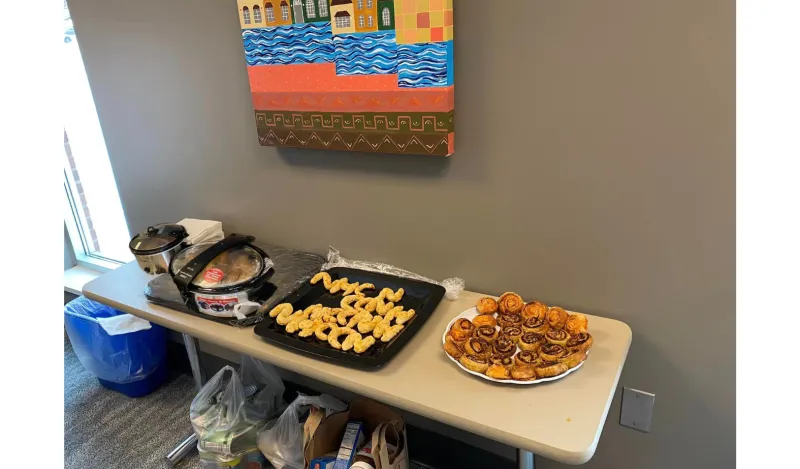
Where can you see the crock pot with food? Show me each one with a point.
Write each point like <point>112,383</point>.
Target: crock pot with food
<point>216,277</point>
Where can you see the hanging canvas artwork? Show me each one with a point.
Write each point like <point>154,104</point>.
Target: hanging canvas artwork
<point>359,75</point>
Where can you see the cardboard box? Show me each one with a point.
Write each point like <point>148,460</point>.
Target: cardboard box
<point>330,432</point>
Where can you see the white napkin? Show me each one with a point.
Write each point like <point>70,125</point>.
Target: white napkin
<point>123,324</point>
<point>202,231</point>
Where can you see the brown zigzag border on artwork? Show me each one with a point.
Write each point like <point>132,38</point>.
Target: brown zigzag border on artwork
<point>357,141</point>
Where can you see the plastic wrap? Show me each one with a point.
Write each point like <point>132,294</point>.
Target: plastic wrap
<point>453,285</point>
<point>232,407</point>
<point>282,442</point>
<point>122,358</point>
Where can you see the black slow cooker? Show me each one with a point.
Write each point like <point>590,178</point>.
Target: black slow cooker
<point>215,277</point>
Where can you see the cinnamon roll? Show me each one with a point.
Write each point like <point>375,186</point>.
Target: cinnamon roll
<point>534,324</point>
<point>484,320</point>
<point>453,348</point>
<point>531,341</point>
<point>551,352</point>
<point>510,302</point>
<point>534,309</point>
<point>504,346</point>
<point>498,372</point>
<point>523,372</point>
<point>474,362</point>
<point>550,369</point>
<point>557,336</point>
<point>573,359</point>
<point>557,317</point>
<point>463,325</point>
<point>504,360</point>
<point>508,319</point>
<point>486,305</point>
<point>478,346</point>
<point>512,332</point>
<point>526,357</point>
<point>487,333</point>
<point>458,336</point>
<point>580,341</point>
<point>577,323</point>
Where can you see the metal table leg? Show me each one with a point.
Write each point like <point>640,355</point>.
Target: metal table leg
<point>524,459</point>
<point>190,443</point>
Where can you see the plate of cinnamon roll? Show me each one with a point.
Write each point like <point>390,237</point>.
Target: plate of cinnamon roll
<point>507,340</point>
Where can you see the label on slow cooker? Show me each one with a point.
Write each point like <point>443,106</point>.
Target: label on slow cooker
<point>213,275</point>
<point>219,305</point>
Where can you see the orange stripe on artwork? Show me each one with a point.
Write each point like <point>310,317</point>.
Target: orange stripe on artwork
<point>407,100</point>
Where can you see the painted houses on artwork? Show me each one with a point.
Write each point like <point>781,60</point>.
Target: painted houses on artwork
<point>310,11</point>
<point>265,13</point>
<point>342,16</point>
<point>385,15</point>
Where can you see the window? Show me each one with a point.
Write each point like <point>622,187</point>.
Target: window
<point>270,13</point>
<point>360,21</point>
<point>369,3</point>
<point>284,11</point>
<point>343,21</point>
<point>360,4</point>
<point>370,22</point>
<point>310,13</point>
<point>323,7</point>
<point>256,13</point>
<point>387,17</point>
<point>95,222</point>
<point>246,15</point>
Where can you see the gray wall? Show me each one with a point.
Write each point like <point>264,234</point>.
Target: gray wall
<point>594,169</point>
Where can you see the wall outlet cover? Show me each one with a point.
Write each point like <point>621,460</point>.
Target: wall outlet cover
<point>637,409</point>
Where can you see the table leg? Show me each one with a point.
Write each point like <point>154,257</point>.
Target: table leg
<point>524,459</point>
<point>188,444</point>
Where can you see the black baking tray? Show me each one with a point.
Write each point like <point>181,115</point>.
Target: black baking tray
<point>422,297</point>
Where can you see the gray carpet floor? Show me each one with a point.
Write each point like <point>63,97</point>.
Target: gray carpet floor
<point>107,430</point>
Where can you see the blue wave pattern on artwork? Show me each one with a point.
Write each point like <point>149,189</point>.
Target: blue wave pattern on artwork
<point>372,53</point>
<point>423,65</point>
<point>291,44</point>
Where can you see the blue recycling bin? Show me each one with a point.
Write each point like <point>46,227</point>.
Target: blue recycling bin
<point>132,363</point>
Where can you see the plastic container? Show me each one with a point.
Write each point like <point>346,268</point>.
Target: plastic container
<point>133,363</point>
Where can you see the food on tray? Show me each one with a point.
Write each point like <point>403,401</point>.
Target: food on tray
<point>557,336</point>
<point>404,316</point>
<point>487,333</point>
<point>338,285</point>
<point>333,336</point>
<point>526,357</point>
<point>390,332</point>
<point>325,277</point>
<point>478,346</point>
<point>361,346</point>
<point>347,301</point>
<point>283,309</point>
<point>504,346</point>
<point>510,303</point>
<point>453,348</point>
<point>484,320</point>
<point>349,289</point>
<point>523,372</point>
<point>573,359</point>
<point>557,317</point>
<point>368,325</point>
<point>342,317</point>
<point>580,341</point>
<point>321,334</point>
<point>486,305</point>
<point>391,295</point>
<point>550,369</point>
<point>508,319</point>
<point>383,308</point>
<point>510,339</point>
<point>512,332</point>
<point>498,372</point>
<point>552,352</point>
<point>531,341</point>
<point>364,286</point>
<point>475,363</point>
<point>577,323</point>
<point>535,324</point>
<point>534,309</point>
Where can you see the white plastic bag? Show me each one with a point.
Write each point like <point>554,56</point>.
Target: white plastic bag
<point>228,411</point>
<point>282,443</point>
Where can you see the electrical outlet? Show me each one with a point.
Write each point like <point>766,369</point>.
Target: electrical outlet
<point>637,409</point>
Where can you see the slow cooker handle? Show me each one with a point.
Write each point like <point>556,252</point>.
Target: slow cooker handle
<point>188,273</point>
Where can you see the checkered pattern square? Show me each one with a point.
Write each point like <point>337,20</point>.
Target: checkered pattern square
<point>423,21</point>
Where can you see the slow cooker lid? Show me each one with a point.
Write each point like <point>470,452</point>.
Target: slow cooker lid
<point>234,266</point>
<point>157,238</point>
